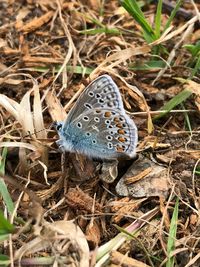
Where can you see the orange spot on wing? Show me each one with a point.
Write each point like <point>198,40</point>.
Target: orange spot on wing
<point>119,149</point>
<point>122,139</point>
<point>107,114</point>
<point>121,131</point>
<point>119,125</point>
<point>116,119</point>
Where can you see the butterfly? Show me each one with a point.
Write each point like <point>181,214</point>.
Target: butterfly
<point>97,125</point>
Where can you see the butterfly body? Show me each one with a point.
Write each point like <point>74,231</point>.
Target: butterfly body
<point>97,126</point>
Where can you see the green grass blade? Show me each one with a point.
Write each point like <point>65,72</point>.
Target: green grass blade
<point>101,30</point>
<point>77,69</point>
<point>4,260</point>
<point>95,21</point>
<point>172,235</point>
<point>158,19</point>
<point>90,18</point>
<point>3,188</point>
<point>5,226</point>
<point>134,10</point>
<point>173,14</point>
<point>193,49</point>
<point>133,5</point>
<point>176,100</point>
<point>197,171</point>
<point>3,160</point>
<point>196,67</point>
<point>6,196</point>
<point>187,120</point>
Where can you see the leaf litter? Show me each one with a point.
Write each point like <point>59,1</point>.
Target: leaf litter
<point>70,210</point>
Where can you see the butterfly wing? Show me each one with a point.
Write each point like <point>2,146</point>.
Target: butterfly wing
<point>105,133</point>
<point>101,93</point>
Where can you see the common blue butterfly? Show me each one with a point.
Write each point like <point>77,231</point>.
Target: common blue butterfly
<point>97,125</point>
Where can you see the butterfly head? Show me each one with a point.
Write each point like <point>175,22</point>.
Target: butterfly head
<point>58,125</point>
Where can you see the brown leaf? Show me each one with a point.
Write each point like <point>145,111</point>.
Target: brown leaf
<point>78,200</point>
<point>93,233</point>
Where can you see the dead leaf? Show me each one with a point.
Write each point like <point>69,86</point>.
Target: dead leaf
<point>62,238</point>
<point>93,233</point>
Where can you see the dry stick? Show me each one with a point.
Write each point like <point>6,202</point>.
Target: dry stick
<point>160,131</point>
<point>71,50</point>
<point>82,44</point>
<point>193,250</point>
<point>36,23</point>
<point>196,9</point>
<point>185,132</point>
<point>193,185</point>
<point>189,206</point>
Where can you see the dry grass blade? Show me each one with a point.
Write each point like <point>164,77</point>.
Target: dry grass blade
<point>118,58</point>
<point>71,48</point>
<point>32,123</point>
<point>39,125</point>
<point>18,144</point>
<point>10,105</point>
<point>175,32</point>
<point>37,114</point>
<point>25,116</point>
<point>55,108</point>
